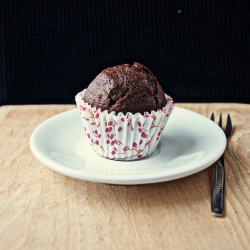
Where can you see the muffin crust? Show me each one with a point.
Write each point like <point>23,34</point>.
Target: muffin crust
<point>125,88</point>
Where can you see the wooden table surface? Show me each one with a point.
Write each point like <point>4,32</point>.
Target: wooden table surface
<point>42,209</point>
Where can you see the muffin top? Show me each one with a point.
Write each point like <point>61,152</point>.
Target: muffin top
<point>125,88</point>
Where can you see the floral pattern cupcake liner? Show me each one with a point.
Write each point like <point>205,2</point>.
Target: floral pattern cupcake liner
<point>123,137</point>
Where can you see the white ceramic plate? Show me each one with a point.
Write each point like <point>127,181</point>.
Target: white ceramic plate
<point>190,143</point>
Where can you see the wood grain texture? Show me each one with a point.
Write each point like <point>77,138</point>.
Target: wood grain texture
<point>42,209</point>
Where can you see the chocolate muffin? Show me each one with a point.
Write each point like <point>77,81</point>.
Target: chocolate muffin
<point>141,112</point>
<point>125,88</point>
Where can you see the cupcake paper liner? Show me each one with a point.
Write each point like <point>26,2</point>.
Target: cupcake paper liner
<point>123,136</point>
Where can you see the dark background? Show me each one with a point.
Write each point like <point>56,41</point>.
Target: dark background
<point>198,50</point>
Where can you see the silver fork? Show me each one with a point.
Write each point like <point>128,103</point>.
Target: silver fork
<point>218,177</point>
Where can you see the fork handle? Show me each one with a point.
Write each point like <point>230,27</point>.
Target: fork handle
<point>218,189</point>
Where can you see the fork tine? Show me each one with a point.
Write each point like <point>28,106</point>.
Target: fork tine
<point>220,121</point>
<point>228,129</point>
<point>212,117</point>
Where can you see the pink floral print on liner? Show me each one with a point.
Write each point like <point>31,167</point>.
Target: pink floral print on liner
<point>123,137</point>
